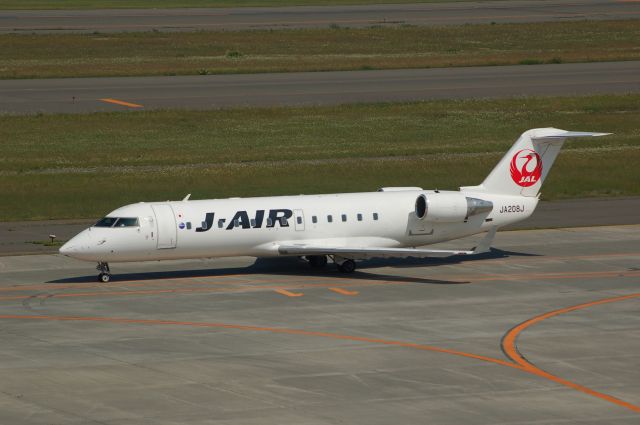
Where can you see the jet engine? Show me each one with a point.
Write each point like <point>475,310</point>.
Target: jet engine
<point>449,207</point>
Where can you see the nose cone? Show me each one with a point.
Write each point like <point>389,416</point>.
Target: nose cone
<point>77,245</point>
<point>66,249</point>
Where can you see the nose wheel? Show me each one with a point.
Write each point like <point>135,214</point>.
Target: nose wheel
<point>105,272</point>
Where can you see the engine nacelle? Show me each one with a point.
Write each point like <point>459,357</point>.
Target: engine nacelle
<point>449,207</point>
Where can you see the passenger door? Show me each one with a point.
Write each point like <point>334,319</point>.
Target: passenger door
<point>167,230</point>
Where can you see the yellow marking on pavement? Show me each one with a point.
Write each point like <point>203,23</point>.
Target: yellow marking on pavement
<point>289,294</point>
<point>121,102</point>
<point>344,291</point>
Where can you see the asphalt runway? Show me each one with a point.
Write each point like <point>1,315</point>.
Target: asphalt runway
<point>115,20</point>
<point>81,95</point>
<point>545,329</point>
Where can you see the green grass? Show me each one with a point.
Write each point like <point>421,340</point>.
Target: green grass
<point>160,53</point>
<point>145,4</point>
<point>82,166</point>
<point>49,243</point>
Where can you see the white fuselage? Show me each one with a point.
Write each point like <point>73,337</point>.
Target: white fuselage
<point>254,226</point>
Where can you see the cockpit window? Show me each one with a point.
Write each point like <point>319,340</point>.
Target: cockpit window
<point>118,222</point>
<point>127,222</point>
<point>106,222</point>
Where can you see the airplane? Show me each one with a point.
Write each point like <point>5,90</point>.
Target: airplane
<point>392,222</point>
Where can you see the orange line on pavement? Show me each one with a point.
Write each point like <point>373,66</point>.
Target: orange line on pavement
<point>289,294</point>
<point>121,102</point>
<point>509,345</point>
<point>264,329</point>
<point>343,291</point>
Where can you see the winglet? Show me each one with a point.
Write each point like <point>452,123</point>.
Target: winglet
<point>485,243</point>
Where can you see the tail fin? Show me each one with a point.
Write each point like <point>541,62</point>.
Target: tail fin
<point>526,165</point>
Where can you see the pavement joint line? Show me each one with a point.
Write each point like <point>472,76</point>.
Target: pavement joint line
<point>516,360</point>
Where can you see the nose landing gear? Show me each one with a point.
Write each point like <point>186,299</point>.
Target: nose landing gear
<point>105,273</point>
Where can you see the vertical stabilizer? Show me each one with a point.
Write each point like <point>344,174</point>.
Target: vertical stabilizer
<point>526,165</point>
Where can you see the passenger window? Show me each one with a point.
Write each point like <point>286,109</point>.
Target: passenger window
<point>299,220</point>
<point>284,222</point>
<point>269,222</point>
<point>314,219</point>
<point>344,217</point>
<point>188,225</point>
<point>330,218</point>
<point>236,223</point>
<point>221,223</point>
<point>359,217</point>
<point>253,222</point>
<point>375,216</point>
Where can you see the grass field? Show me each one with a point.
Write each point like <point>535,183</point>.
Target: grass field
<point>77,166</point>
<point>159,53</point>
<point>144,4</point>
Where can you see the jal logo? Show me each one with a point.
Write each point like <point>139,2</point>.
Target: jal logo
<point>526,168</point>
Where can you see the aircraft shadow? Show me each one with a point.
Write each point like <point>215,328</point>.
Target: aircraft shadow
<point>291,266</point>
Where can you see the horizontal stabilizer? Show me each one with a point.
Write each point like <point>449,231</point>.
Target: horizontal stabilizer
<point>563,134</point>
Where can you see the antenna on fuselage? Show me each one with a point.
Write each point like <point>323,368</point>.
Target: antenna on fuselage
<point>186,198</point>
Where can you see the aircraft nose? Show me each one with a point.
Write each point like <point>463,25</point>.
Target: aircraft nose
<point>76,245</point>
<point>66,249</point>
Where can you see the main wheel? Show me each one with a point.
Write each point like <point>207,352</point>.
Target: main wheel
<point>317,261</point>
<point>104,277</point>
<point>349,266</point>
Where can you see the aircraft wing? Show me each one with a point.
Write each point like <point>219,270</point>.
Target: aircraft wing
<point>368,252</point>
<point>374,252</point>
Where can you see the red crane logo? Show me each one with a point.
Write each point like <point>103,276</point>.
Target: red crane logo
<point>522,172</point>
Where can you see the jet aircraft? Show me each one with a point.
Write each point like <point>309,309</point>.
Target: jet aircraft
<point>392,222</point>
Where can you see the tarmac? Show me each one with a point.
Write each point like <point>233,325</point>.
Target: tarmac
<point>431,14</point>
<point>85,95</point>
<point>544,329</point>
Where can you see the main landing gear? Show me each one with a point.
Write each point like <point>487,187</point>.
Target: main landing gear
<point>317,261</point>
<point>345,265</point>
<point>105,273</point>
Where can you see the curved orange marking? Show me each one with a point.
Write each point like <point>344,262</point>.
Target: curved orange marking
<point>509,345</point>
<point>263,329</point>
